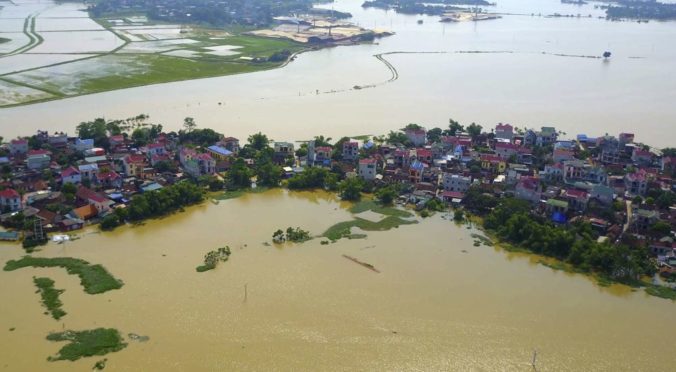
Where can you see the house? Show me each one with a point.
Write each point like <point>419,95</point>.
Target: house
<point>636,183</point>
<point>10,200</point>
<point>553,172</point>
<point>155,149</point>
<point>195,164</point>
<point>231,144</point>
<point>603,194</point>
<point>493,163</point>
<point>88,171</point>
<point>159,158</point>
<point>556,207</point>
<point>18,147</point>
<point>643,219</point>
<point>641,157</point>
<point>70,224</point>
<point>626,138</point>
<point>70,175</point>
<point>220,153</point>
<point>89,196</point>
<point>506,150</point>
<point>577,199</point>
<point>578,170</point>
<point>546,136</point>
<point>322,155</point>
<point>109,179</point>
<point>424,155</point>
<point>116,141</point>
<point>82,145</point>
<point>610,150</point>
<point>350,150</point>
<point>86,212</point>
<point>529,188</point>
<point>415,171</point>
<point>668,163</point>
<point>58,139</point>
<point>38,159</point>
<point>367,169</point>
<point>418,137</point>
<point>456,182</point>
<point>561,155</point>
<point>504,131</point>
<point>283,151</point>
<point>134,165</point>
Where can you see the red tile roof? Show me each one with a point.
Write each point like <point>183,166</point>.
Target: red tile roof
<point>89,194</point>
<point>9,194</point>
<point>575,193</point>
<point>68,172</point>
<point>501,126</point>
<point>39,152</point>
<point>367,161</point>
<point>135,159</point>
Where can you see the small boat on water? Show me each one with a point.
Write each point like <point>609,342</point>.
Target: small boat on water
<point>420,21</point>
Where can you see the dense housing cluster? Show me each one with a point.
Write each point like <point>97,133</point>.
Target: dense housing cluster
<point>606,191</point>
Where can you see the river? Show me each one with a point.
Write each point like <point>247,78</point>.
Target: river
<point>523,86</point>
<point>439,303</point>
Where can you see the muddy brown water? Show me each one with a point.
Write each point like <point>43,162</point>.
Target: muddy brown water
<point>432,307</point>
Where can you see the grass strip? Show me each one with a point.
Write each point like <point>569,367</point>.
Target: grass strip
<point>50,296</point>
<point>370,205</point>
<point>99,341</point>
<point>94,278</point>
<point>342,229</point>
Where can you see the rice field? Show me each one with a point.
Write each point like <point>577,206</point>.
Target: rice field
<point>56,50</point>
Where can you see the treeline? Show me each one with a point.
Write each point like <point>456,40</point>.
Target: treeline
<point>423,7</point>
<point>641,9</point>
<point>575,244</point>
<point>213,13</point>
<point>155,204</point>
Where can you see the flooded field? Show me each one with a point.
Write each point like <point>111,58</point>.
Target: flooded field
<point>438,303</point>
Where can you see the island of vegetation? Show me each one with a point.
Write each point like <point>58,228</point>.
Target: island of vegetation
<point>434,8</point>
<point>81,344</point>
<point>640,10</point>
<point>93,278</point>
<point>296,235</point>
<point>212,258</point>
<point>50,296</point>
<point>598,205</point>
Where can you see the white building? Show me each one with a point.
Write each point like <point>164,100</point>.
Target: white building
<point>456,182</point>
<point>367,169</point>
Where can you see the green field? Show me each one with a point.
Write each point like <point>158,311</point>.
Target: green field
<point>139,63</point>
<point>100,341</point>
<point>94,278</point>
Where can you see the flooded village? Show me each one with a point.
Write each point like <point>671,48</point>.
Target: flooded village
<point>56,184</point>
<point>58,188</point>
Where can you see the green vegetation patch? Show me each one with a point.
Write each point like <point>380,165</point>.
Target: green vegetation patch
<point>212,259</point>
<point>82,344</point>
<point>50,296</point>
<point>342,229</point>
<point>94,278</point>
<point>370,205</point>
<point>661,291</point>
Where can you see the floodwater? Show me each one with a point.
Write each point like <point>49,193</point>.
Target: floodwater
<point>520,85</point>
<point>432,307</point>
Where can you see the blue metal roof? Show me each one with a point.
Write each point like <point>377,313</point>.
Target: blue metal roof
<point>220,150</point>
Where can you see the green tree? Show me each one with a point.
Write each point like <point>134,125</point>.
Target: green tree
<point>269,174</point>
<point>189,124</point>
<point>454,127</point>
<point>387,194</point>
<point>258,141</point>
<point>474,130</point>
<point>434,135</point>
<point>239,175</point>
<point>660,228</point>
<point>412,126</point>
<point>350,188</point>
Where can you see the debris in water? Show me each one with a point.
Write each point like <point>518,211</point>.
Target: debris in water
<point>100,365</point>
<point>366,265</point>
<point>135,337</point>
